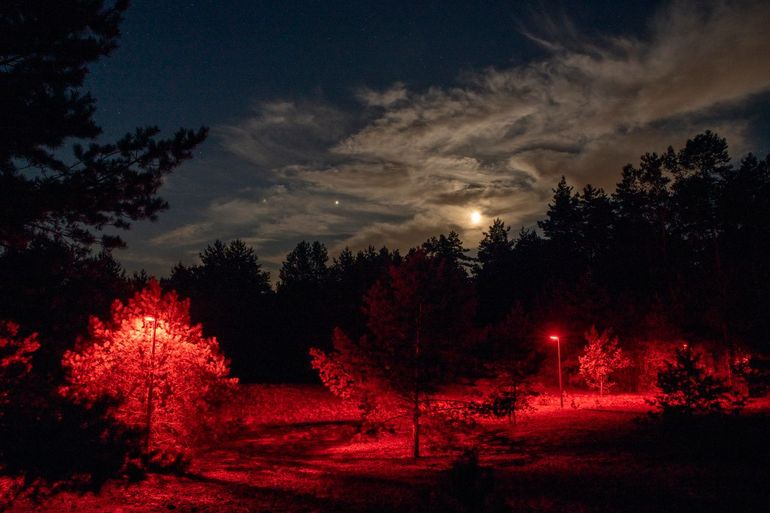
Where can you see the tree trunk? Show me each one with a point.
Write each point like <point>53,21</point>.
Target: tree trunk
<point>416,412</point>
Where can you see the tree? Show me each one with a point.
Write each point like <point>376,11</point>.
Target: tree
<point>420,335</point>
<point>562,223</point>
<point>494,272</point>
<point>563,229</point>
<point>303,310</point>
<point>596,222</point>
<point>46,441</point>
<point>687,388</point>
<point>513,357</point>
<point>447,246</point>
<point>230,296</point>
<point>305,267</point>
<point>350,277</point>
<point>165,376</point>
<point>45,51</point>
<point>601,357</point>
<point>52,288</point>
<point>344,371</point>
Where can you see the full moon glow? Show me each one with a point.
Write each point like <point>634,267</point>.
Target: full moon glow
<point>475,217</point>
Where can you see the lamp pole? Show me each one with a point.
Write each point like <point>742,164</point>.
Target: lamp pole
<point>150,382</point>
<point>558,360</point>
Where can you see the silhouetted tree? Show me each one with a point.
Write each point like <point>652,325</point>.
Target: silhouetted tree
<point>596,223</point>
<point>52,288</point>
<point>494,273</point>
<point>231,297</point>
<point>45,51</point>
<point>305,268</point>
<point>351,276</point>
<point>303,310</point>
<point>448,246</point>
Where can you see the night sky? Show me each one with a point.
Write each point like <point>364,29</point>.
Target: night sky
<point>360,123</point>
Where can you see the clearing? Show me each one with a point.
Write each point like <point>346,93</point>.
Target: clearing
<point>298,451</point>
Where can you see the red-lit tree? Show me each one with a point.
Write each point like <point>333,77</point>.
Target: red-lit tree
<point>165,376</point>
<point>687,388</point>
<point>601,357</point>
<point>419,321</point>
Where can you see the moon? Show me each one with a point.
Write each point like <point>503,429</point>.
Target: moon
<point>475,217</point>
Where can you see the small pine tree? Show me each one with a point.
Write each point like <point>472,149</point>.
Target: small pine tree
<point>601,357</point>
<point>687,388</point>
<point>420,338</point>
<point>342,371</point>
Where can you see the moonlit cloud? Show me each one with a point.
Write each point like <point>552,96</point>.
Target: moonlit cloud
<point>410,164</point>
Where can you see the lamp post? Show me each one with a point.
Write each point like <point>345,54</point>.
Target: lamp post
<point>150,381</point>
<point>555,338</point>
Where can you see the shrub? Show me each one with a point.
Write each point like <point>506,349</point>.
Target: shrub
<point>687,388</point>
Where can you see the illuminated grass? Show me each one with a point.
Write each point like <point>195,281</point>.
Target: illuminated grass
<point>299,450</point>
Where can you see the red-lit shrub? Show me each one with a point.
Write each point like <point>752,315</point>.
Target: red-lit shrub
<point>184,376</point>
<point>600,359</point>
<point>15,357</point>
<point>344,372</point>
<point>687,388</point>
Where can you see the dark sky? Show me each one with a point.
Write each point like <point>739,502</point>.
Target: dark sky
<point>380,122</point>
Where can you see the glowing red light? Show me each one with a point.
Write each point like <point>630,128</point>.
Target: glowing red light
<point>554,338</point>
<point>149,318</point>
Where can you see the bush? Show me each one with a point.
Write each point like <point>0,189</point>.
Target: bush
<point>46,441</point>
<point>687,388</point>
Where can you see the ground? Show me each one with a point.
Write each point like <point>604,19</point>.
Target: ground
<point>297,450</point>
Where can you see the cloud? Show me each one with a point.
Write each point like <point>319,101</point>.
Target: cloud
<point>371,98</point>
<point>285,132</point>
<point>193,233</point>
<point>411,164</point>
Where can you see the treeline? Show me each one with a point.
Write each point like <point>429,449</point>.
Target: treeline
<point>677,251</point>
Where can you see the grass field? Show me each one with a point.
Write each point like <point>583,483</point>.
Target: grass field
<point>298,451</point>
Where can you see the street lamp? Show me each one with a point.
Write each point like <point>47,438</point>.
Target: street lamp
<point>150,380</point>
<point>555,338</point>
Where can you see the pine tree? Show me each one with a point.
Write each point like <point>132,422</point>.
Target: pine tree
<point>687,388</point>
<point>45,51</point>
<point>419,336</point>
